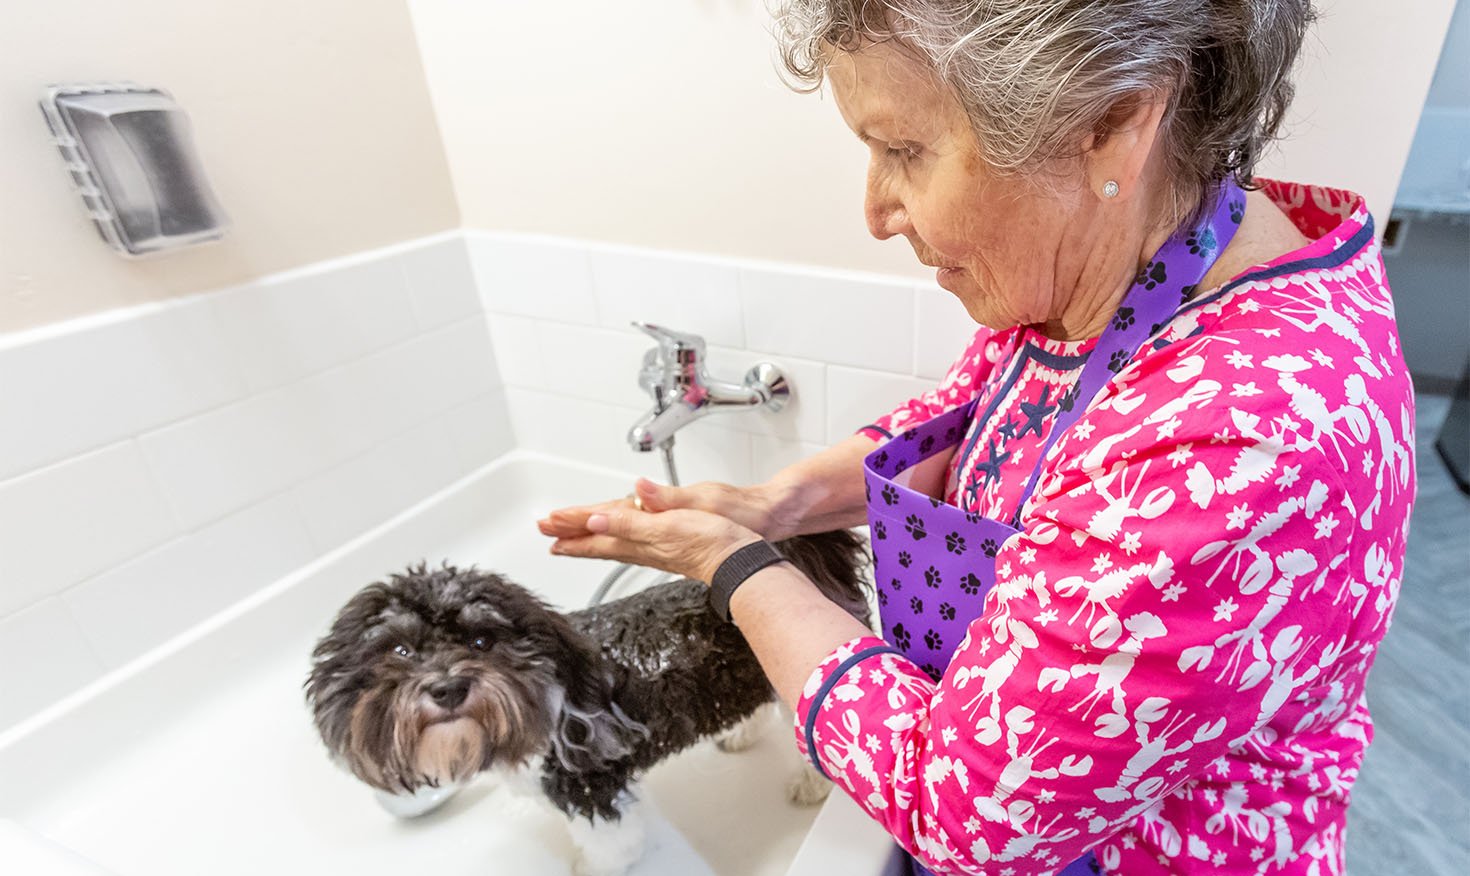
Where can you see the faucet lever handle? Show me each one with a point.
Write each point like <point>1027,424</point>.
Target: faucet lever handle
<point>671,343</point>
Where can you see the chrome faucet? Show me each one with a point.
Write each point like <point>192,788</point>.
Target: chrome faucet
<point>674,374</point>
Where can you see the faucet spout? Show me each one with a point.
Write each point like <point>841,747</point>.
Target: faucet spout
<point>656,427</point>
<point>683,392</point>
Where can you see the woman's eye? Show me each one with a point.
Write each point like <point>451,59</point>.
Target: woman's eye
<point>480,643</point>
<point>402,650</point>
<point>902,153</point>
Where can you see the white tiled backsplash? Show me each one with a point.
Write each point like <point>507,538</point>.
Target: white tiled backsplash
<point>162,462</point>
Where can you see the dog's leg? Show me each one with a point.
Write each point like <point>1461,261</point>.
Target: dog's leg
<point>609,848</point>
<point>806,787</point>
<point>747,733</point>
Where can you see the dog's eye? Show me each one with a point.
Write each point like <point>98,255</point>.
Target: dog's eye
<point>402,650</point>
<point>480,643</point>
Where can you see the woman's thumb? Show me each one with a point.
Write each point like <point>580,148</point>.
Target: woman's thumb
<point>659,497</point>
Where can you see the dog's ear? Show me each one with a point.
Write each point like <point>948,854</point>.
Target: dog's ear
<point>339,674</point>
<point>589,731</point>
<point>834,561</point>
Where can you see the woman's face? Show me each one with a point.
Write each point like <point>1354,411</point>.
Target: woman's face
<point>999,244</point>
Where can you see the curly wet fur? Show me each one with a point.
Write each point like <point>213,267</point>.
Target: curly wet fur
<point>437,674</point>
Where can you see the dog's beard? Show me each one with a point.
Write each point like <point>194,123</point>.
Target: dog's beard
<point>400,739</point>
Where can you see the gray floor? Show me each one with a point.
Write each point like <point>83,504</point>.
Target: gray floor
<point>1411,806</point>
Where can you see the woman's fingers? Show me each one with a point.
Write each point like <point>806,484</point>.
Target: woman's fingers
<point>569,522</point>
<point>712,496</point>
<point>681,541</point>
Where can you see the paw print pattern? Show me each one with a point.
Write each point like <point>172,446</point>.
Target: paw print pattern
<point>881,460</point>
<point>896,584</point>
<point>970,584</point>
<point>904,558</point>
<point>989,547</point>
<point>933,578</point>
<point>1119,360</point>
<point>1152,275</point>
<point>954,543</point>
<point>927,444</point>
<point>1187,292</point>
<point>934,503</point>
<point>932,671</point>
<point>916,604</point>
<point>1201,243</point>
<point>901,637</point>
<point>1237,211</point>
<point>1068,399</point>
<point>972,517</point>
<point>1123,318</point>
<point>933,640</point>
<point>946,611</point>
<point>915,526</point>
<point>880,530</point>
<point>890,495</point>
<point>867,493</point>
<point>882,598</point>
<point>898,467</point>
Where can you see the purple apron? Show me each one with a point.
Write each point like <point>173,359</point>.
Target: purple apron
<point>933,563</point>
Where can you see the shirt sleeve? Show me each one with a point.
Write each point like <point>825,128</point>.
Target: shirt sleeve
<point>958,386</point>
<point>1167,597</point>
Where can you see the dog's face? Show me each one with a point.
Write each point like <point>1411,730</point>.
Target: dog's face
<point>438,674</point>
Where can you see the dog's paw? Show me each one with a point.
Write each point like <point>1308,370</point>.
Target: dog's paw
<point>807,787</point>
<point>587,867</point>
<point>419,802</point>
<point>745,734</point>
<point>607,848</point>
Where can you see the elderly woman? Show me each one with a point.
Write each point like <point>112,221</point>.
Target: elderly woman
<point>1135,554</point>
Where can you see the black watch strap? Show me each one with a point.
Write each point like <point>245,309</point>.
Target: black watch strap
<point>735,569</point>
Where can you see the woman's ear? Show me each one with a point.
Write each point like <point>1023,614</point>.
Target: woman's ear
<point>1118,151</point>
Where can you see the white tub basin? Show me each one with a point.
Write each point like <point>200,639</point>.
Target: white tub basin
<point>200,758</point>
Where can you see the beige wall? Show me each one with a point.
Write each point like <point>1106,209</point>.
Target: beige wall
<point>312,118</point>
<point>663,123</point>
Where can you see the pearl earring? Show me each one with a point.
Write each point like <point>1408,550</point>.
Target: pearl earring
<point>1110,189</point>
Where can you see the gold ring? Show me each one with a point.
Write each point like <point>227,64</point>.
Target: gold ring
<point>637,500</point>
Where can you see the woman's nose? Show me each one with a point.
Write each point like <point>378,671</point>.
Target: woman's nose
<point>886,214</point>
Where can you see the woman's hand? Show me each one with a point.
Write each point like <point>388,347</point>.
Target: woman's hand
<point>754,507</point>
<point>818,494</point>
<point>682,541</point>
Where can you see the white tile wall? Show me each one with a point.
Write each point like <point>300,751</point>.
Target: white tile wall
<point>866,323</point>
<point>177,457</point>
<point>856,397</point>
<point>696,295</point>
<point>343,501</point>
<point>287,328</point>
<point>942,331</point>
<point>441,281</point>
<point>63,394</point>
<point>50,656</point>
<point>74,519</point>
<point>531,276</point>
<point>134,606</point>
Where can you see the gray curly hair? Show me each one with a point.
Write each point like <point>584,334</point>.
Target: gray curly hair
<point>1036,76</point>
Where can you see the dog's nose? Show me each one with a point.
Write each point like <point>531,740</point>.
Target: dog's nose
<point>448,694</point>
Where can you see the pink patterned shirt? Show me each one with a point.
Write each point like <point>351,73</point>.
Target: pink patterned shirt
<point>1170,669</point>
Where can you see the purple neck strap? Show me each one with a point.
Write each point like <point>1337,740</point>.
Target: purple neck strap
<point>1169,279</point>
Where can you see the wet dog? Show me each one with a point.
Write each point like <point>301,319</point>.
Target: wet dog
<point>435,675</point>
